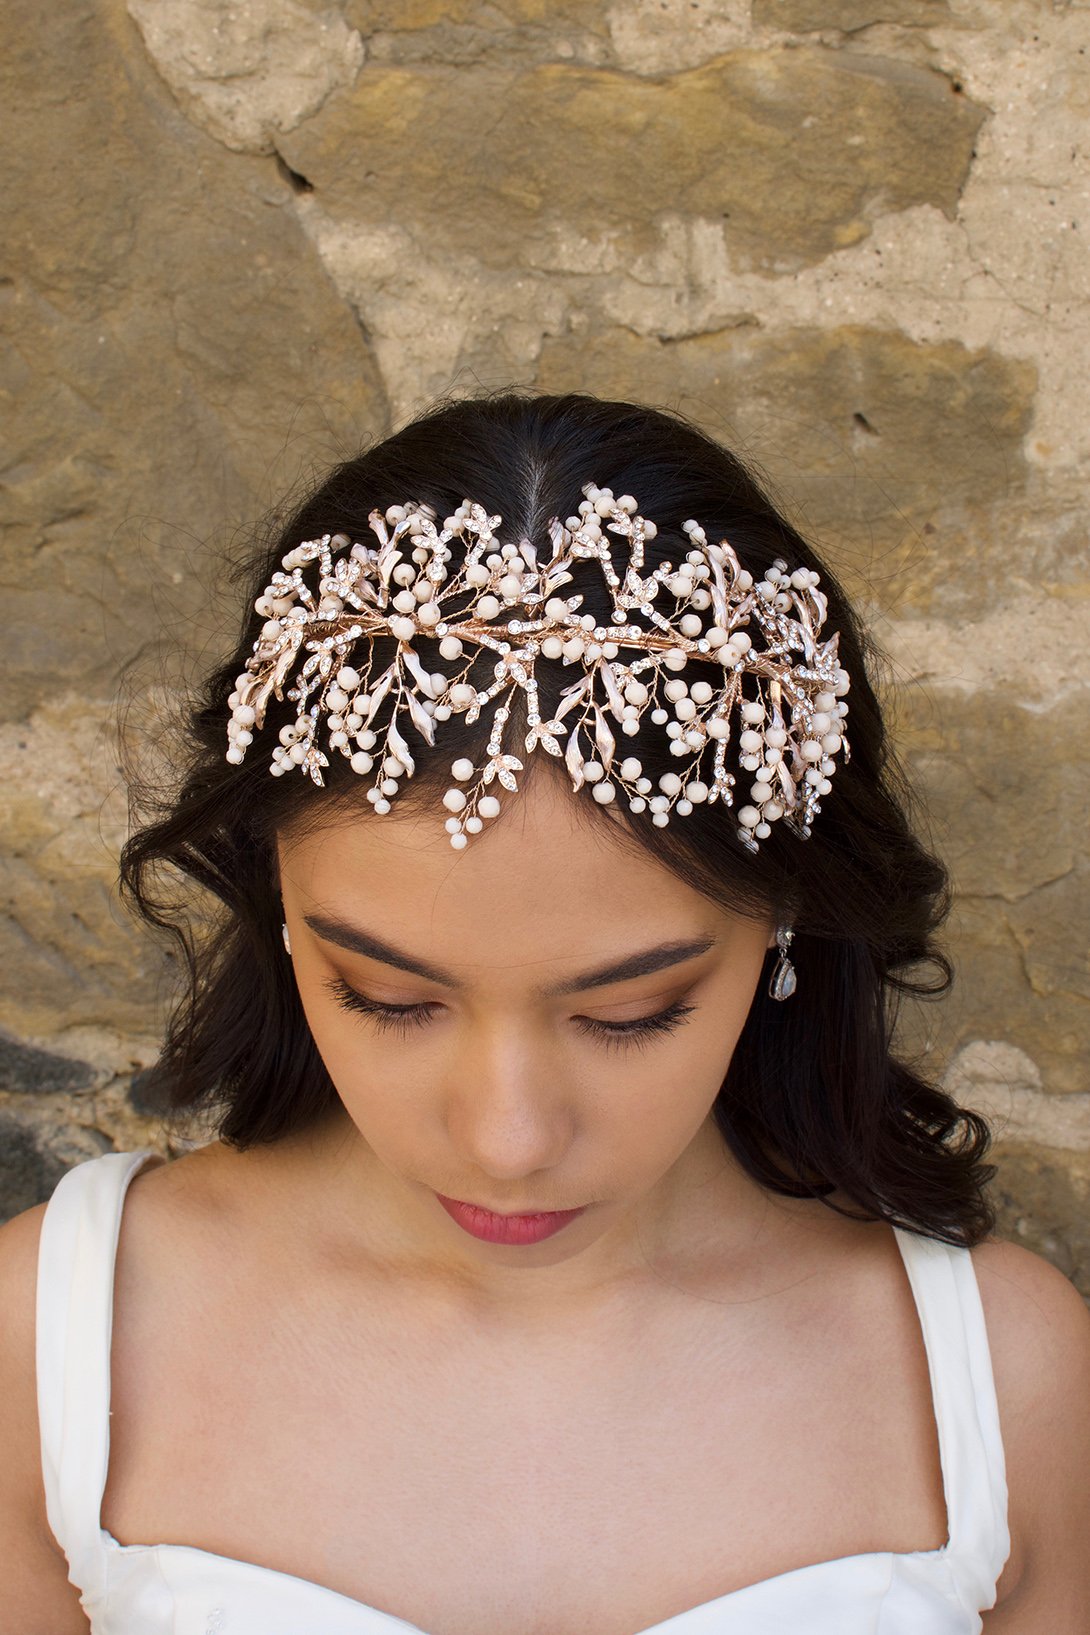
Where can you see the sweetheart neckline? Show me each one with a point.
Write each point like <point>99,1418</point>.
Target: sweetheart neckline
<point>310,1585</point>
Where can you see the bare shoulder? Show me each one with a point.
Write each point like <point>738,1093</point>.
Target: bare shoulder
<point>1039,1338</point>
<point>1038,1326</point>
<point>176,1208</point>
<point>19,1240</point>
<point>36,1596</point>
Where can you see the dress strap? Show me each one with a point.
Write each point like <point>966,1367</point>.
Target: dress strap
<point>75,1296</point>
<point>944,1284</point>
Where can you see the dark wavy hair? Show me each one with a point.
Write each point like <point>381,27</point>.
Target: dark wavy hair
<point>815,1102</point>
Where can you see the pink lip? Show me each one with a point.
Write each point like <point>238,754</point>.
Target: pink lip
<point>493,1228</point>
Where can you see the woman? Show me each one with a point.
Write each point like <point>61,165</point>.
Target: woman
<point>570,1252</point>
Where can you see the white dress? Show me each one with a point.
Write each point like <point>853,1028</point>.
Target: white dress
<point>172,1589</point>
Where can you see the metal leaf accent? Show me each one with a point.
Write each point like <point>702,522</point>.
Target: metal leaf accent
<point>574,760</point>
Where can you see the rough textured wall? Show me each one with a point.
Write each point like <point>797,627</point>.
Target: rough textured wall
<point>846,235</point>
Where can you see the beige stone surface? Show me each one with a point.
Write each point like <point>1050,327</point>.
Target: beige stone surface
<point>63,811</point>
<point>981,705</point>
<point>604,153</point>
<point>497,22</point>
<point>904,457</point>
<point>1001,1081</point>
<point>250,72</point>
<point>848,238</point>
<point>846,16</point>
<point>1044,1204</point>
<point>150,262</point>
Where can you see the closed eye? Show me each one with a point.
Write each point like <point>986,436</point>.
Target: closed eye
<point>404,1018</point>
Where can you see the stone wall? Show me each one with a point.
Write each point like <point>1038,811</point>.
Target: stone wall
<point>847,236</point>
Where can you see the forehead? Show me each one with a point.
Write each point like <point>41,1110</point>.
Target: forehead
<point>544,888</point>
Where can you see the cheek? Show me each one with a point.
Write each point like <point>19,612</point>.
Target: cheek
<point>389,1086</point>
<point>646,1104</point>
<point>677,1087</point>
<point>386,1099</point>
<point>344,1042</point>
<point>677,1084</point>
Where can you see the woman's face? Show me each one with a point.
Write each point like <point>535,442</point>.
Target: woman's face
<point>516,1078</point>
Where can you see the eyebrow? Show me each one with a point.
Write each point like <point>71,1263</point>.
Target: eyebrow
<point>659,958</point>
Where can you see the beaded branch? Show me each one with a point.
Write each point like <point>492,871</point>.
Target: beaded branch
<point>755,648</point>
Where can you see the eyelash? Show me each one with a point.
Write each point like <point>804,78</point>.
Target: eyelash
<point>402,1018</point>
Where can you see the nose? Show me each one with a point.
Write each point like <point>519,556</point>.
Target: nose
<point>508,1115</point>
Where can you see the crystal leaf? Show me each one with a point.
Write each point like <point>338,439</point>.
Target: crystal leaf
<point>574,760</point>
<point>422,721</point>
<point>396,745</point>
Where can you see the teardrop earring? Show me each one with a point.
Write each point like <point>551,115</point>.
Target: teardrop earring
<point>284,934</point>
<point>783,981</point>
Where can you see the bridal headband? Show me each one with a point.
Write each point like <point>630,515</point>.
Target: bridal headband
<point>710,652</point>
